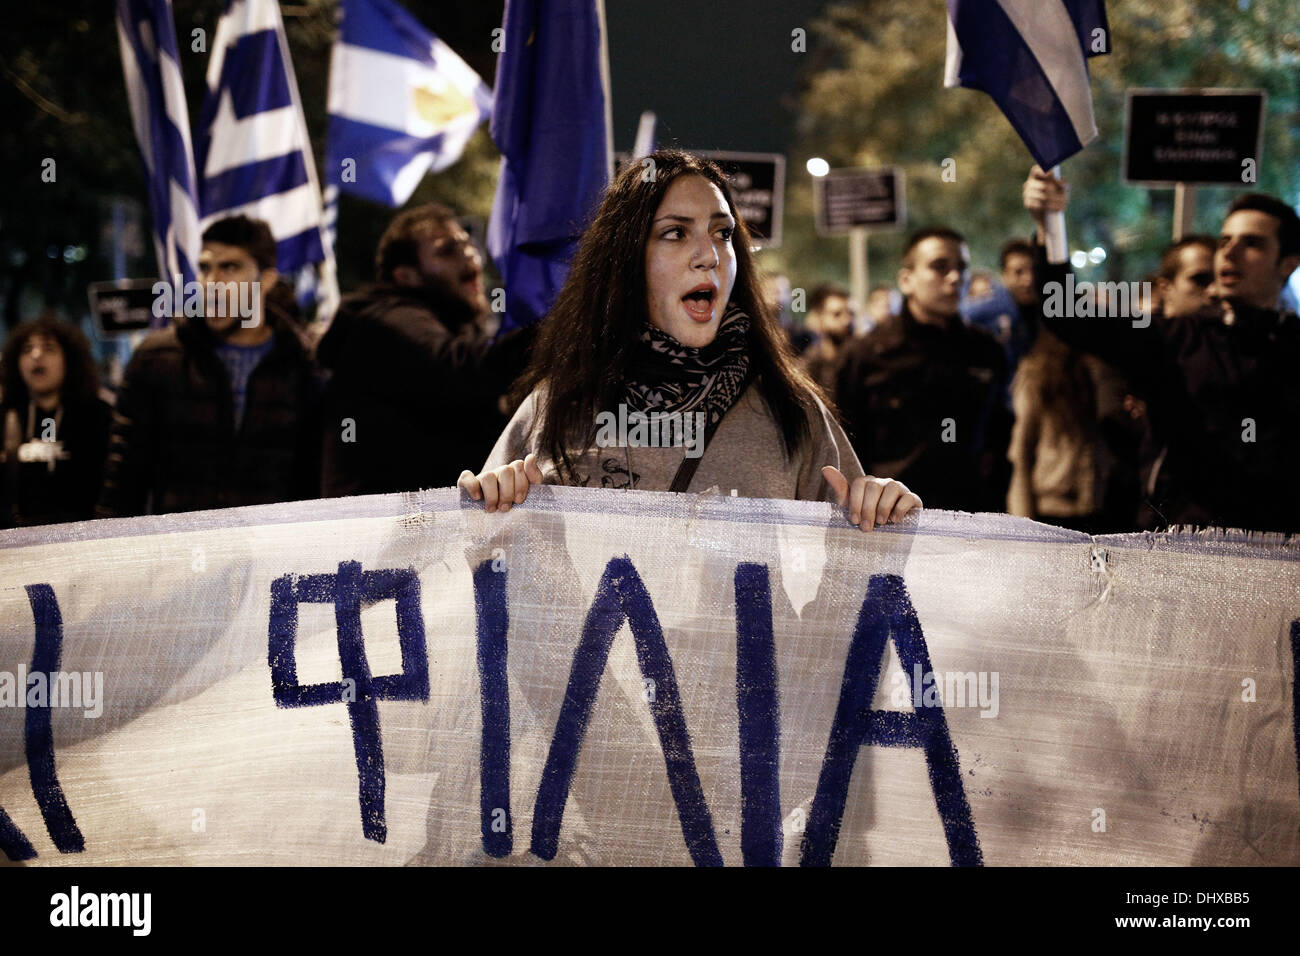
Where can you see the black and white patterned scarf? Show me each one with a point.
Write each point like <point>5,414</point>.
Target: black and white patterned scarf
<point>666,376</point>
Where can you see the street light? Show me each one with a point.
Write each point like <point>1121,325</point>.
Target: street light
<point>818,166</point>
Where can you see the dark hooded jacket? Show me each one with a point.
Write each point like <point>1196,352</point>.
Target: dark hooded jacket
<point>414,394</point>
<point>174,445</point>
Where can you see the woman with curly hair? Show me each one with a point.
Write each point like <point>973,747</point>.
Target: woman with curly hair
<point>55,426</point>
<point>661,324</point>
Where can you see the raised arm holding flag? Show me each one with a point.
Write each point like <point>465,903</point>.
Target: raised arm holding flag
<point>1031,56</point>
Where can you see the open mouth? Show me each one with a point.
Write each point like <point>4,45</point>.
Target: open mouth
<point>699,302</point>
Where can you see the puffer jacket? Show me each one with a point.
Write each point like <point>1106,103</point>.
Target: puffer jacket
<point>174,445</point>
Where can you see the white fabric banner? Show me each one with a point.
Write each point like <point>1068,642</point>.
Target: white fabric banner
<point>605,677</point>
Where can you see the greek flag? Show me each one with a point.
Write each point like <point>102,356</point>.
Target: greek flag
<point>1031,56</point>
<point>254,155</point>
<point>401,103</point>
<point>551,121</point>
<point>150,63</point>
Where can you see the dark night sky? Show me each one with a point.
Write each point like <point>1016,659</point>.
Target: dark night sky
<point>720,74</point>
<point>715,73</point>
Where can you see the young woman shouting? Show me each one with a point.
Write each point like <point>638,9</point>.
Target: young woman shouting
<point>661,323</point>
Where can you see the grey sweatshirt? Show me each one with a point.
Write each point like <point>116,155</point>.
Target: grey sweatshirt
<point>744,458</point>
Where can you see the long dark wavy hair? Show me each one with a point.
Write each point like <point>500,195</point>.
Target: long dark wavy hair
<point>1061,384</point>
<point>80,379</point>
<point>585,343</point>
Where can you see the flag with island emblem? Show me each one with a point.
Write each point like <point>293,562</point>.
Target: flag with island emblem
<point>401,103</point>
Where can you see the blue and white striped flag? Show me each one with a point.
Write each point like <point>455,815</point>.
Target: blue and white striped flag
<point>401,103</point>
<point>150,62</point>
<point>1031,56</point>
<point>254,155</point>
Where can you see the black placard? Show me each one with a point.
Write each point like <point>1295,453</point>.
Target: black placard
<point>124,305</point>
<point>848,199</point>
<point>1196,137</point>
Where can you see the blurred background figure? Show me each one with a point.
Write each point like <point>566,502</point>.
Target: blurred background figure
<point>1186,274</point>
<point>1054,438</point>
<point>55,426</point>
<point>417,381</point>
<point>922,393</point>
<point>981,285</point>
<point>778,294</point>
<point>218,410</point>
<point>1017,262</point>
<point>880,306</point>
<point>830,319</point>
<point>1179,290</point>
<point>1008,310</point>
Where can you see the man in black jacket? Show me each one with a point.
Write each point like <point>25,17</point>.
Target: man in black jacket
<point>414,395</point>
<point>1221,383</point>
<point>922,393</point>
<point>220,409</point>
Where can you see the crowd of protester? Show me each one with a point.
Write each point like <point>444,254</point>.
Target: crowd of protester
<point>966,390</point>
<point>1178,410</point>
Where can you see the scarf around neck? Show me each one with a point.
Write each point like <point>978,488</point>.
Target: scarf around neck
<point>666,376</point>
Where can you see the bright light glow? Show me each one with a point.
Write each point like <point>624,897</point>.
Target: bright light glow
<point>1097,256</point>
<point>818,166</point>
<point>1078,258</point>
